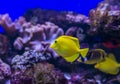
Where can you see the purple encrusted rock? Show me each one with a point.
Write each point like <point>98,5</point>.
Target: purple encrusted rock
<point>5,70</point>
<point>4,45</point>
<point>105,20</point>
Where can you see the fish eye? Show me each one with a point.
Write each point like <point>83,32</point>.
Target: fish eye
<point>55,41</point>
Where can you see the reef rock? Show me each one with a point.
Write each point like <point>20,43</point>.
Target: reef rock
<point>105,19</point>
<point>5,70</point>
<point>63,19</point>
<point>28,59</point>
<point>4,45</point>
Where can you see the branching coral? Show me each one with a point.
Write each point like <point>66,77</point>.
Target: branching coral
<point>27,35</point>
<point>8,25</point>
<point>62,19</point>
<point>5,70</point>
<point>4,45</point>
<point>76,32</point>
<point>32,37</point>
<point>105,19</point>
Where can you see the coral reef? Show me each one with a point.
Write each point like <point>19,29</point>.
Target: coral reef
<point>25,45</point>
<point>11,28</point>
<point>28,59</point>
<point>19,77</point>
<point>26,34</point>
<point>76,32</point>
<point>62,19</point>
<point>5,70</point>
<point>4,45</point>
<point>105,20</point>
<point>45,74</point>
<point>31,36</point>
<point>41,73</point>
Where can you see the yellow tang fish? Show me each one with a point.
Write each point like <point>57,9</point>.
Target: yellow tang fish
<point>69,48</point>
<point>109,65</point>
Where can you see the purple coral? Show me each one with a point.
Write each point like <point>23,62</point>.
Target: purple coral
<point>41,73</point>
<point>28,59</point>
<point>105,19</point>
<point>76,32</point>
<point>63,19</point>
<point>19,77</point>
<point>31,36</point>
<point>8,25</point>
<point>45,74</point>
<point>77,18</point>
<point>4,45</point>
<point>5,70</point>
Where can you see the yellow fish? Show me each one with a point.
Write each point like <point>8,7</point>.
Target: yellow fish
<point>69,48</point>
<point>109,65</point>
<point>94,56</point>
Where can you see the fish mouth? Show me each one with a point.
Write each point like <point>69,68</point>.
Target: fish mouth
<point>51,46</point>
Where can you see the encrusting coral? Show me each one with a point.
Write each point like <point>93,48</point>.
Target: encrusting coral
<point>45,74</point>
<point>105,19</point>
<point>4,45</point>
<point>5,70</point>
<point>28,59</point>
<point>29,40</point>
<point>19,77</point>
<point>41,73</point>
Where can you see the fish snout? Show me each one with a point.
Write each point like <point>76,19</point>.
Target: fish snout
<point>51,46</point>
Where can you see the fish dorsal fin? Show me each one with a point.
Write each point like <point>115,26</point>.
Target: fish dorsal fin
<point>111,56</point>
<point>73,39</point>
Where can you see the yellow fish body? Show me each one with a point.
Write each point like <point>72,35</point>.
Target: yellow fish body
<point>109,65</point>
<point>69,48</point>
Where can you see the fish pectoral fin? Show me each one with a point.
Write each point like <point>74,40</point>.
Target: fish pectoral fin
<point>84,52</point>
<point>71,58</point>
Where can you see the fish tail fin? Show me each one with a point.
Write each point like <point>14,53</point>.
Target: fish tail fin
<point>84,52</point>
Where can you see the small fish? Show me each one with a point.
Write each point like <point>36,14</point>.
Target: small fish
<point>109,65</point>
<point>69,48</point>
<point>94,56</point>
